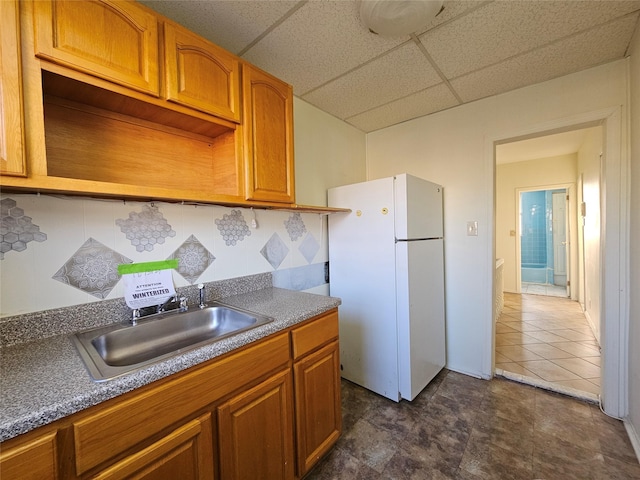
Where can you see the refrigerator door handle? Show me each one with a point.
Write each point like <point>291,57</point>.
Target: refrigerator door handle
<point>416,239</point>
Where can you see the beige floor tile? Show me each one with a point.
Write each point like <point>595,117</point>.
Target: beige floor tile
<point>547,351</point>
<point>580,367</point>
<point>548,370</point>
<point>501,358</point>
<point>580,384</point>
<point>517,353</point>
<point>517,368</point>
<point>521,326</point>
<point>573,335</point>
<point>549,332</point>
<point>546,337</point>
<point>517,338</point>
<point>502,328</point>
<point>576,349</point>
<point>594,360</point>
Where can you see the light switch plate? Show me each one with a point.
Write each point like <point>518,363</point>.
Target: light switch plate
<point>472,229</point>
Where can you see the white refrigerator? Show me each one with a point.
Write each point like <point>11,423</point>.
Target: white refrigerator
<point>386,264</point>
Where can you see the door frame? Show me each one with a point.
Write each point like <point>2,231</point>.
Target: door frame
<point>614,247</point>
<point>571,215</point>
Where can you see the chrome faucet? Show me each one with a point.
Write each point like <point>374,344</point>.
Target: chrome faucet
<point>201,291</point>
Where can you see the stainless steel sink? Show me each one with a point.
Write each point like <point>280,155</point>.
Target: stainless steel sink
<point>115,350</point>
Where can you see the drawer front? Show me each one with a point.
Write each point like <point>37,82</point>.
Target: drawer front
<point>33,460</point>
<point>113,430</point>
<point>314,334</point>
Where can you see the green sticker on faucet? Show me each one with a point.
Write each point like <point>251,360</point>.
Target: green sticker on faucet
<point>126,268</point>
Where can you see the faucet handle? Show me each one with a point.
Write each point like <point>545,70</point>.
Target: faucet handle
<point>201,291</point>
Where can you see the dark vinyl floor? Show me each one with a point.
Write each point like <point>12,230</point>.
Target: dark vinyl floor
<point>464,428</point>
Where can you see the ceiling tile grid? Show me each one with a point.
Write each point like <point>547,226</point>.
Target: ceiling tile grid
<point>394,75</point>
<point>230,24</point>
<point>578,52</point>
<point>495,32</point>
<point>319,42</point>
<point>413,106</point>
<point>472,49</point>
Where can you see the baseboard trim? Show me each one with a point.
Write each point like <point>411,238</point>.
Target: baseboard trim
<point>633,437</point>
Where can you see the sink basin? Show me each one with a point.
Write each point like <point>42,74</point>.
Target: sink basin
<point>115,350</point>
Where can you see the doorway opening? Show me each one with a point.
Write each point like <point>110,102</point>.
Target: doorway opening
<point>542,335</point>
<point>544,231</point>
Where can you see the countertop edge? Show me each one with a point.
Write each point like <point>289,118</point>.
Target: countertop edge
<point>72,390</point>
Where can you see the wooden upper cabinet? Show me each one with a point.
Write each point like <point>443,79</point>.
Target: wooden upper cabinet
<point>268,127</point>
<point>200,75</point>
<point>112,40</point>
<point>12,152</point>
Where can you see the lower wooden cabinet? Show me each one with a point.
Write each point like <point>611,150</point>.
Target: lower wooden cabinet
<point>318,412</point>
<point>34,459</point>
<point>267,411</point>
<point>256,432</point>
<point>185,453</point>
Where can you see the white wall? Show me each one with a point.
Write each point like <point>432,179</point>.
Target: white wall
<point>455,148</point>
<point>589,172</point>
<point>540,173</point>
<point>634,333</point>
<point>328,152</point>
<point>328,146</point>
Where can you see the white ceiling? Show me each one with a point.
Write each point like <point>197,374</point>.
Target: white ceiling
<point>472,50</point>
<point>553,145</point>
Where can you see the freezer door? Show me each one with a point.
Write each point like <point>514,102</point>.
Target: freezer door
<point>418,205</point>
<point>421,314</point>
<point>362,275</point>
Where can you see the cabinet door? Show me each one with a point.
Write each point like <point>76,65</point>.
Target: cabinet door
<point>200,75</point>
<point>35,459</point>
<point>109,39</point>
<point>256,432</point>
<point>268,122</point>
<point>12,154</point>
<point>318,412</point>
<point>186,453</point>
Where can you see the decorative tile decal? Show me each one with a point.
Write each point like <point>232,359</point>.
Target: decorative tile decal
<point>309,247</point>
<point>274,251</point>
<point>16,229</point>
<point>193,259</point>
<point>92,269</point>
<point>295,226</point>
<point>233,227</point>
<point>145,229</point>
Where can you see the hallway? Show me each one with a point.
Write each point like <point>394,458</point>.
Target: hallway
<point>548,339</point>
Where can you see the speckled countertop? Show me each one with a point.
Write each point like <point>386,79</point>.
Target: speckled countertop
<point>44,380</point>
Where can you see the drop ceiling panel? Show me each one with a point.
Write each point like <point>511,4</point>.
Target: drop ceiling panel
<point>319,42</point>
<point>392,76</point>
<point>430,100</point>
<point>231,24</point>
<point>575,53</point>
<point>493,33</point>
<point>480,48</point>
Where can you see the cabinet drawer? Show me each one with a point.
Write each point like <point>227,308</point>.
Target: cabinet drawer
<point>35,459</point>
<point>314,334</point>
<point>185,453</point>
<point>111,431</point>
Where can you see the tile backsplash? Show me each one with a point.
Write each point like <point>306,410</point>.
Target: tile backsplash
<point>60,251</point>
